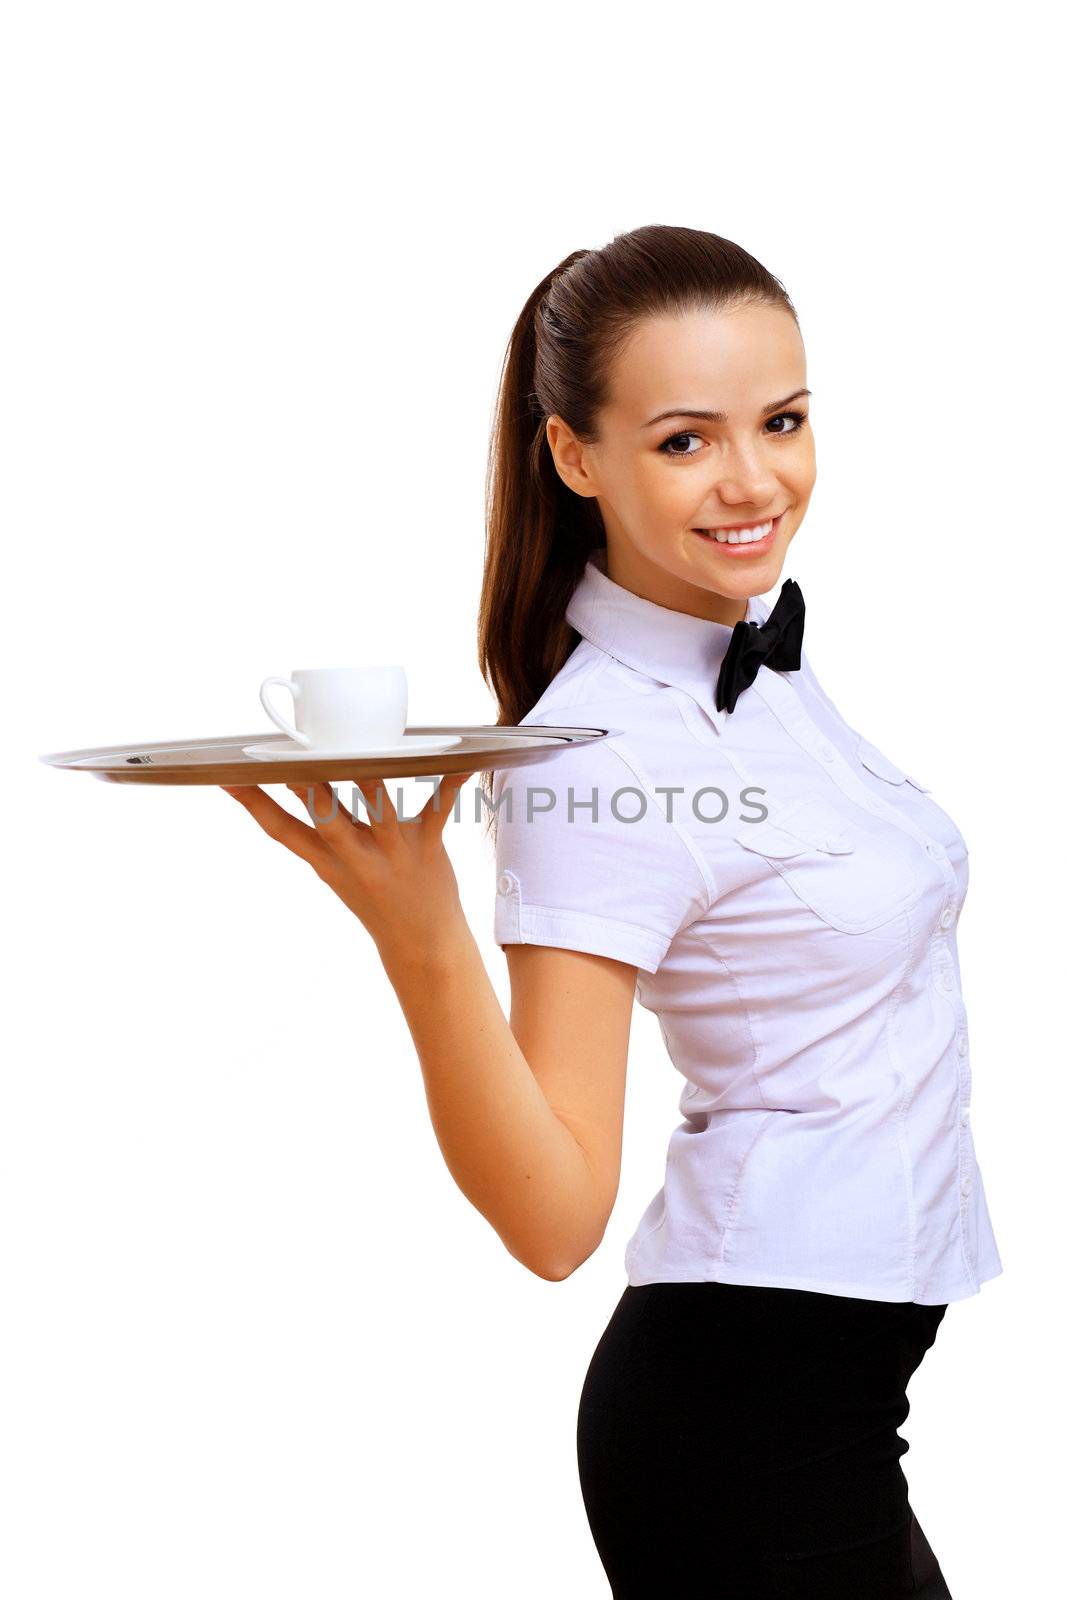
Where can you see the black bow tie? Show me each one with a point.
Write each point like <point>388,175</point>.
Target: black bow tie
<point>774,643</point>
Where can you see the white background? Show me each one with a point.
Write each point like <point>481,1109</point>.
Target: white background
<point>260,264</point>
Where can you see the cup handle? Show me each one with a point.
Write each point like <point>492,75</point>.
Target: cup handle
<point>275,716</point>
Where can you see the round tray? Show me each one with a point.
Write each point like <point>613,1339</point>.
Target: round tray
<point>223,761</point>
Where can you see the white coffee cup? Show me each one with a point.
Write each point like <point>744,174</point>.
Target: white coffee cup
<point>344,708</point>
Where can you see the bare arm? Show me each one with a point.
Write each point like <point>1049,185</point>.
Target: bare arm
<point>528,1114</point>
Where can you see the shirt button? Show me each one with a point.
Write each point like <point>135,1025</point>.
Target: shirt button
<point>826,750</point>
<point>934,849</point>
<point>965,1186</point>
<point>506,883</point>
<point>965,1117</point>
<point>943,980</point>
<point>948,917</point>
<point>961,1045</point>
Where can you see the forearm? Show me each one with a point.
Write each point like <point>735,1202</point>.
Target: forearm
<point>513,1158</point>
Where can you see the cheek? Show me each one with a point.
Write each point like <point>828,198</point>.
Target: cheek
<point>669,491</point>
<point>803,470</point>
<point>797,486</point>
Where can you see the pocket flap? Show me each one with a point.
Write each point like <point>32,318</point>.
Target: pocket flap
<point>767,840</point>
<point>880,765</point>
<point>802,824</point>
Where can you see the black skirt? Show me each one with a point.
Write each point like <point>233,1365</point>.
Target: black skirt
<point>741,1442</point>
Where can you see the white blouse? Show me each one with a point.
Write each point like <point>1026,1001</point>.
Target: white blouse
<point>790,898</point>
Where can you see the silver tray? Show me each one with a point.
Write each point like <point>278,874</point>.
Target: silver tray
<point>222,760</point>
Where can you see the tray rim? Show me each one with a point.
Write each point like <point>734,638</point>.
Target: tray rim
<point>489,748</point>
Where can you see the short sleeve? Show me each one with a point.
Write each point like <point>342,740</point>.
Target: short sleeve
<point>619,880</point>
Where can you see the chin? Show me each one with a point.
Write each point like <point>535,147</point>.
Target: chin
<point>741,580</point>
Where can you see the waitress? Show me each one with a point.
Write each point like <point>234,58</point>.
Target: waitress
<point>747,866</point>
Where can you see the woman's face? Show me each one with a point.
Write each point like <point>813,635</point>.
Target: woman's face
<point>659,479</point>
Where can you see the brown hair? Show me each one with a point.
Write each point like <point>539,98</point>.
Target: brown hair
<point>539,533</point>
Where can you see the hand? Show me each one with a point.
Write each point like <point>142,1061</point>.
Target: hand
<point>396,876</point>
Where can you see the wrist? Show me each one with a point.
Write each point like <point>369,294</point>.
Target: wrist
<point>427,954</point>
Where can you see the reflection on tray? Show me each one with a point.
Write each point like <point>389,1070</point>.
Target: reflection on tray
<point>222,759</point>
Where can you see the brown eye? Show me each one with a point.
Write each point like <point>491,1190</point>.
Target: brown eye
<point>797,417</point>
<point>673,440</point>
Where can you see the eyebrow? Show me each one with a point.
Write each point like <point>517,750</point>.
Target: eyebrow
<point>720,416</point>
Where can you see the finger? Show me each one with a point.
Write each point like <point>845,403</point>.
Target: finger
<point>281,825</point>
<point>332,820</point>
<point>381,812</point>
<point>437,810</point>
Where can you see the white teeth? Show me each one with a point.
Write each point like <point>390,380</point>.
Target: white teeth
<point>745,536</point>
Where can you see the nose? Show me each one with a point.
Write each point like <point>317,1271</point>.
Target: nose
<point>747,477</point>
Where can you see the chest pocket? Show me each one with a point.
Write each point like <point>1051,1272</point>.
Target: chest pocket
<point>882,767</point>
<point>848,876</point>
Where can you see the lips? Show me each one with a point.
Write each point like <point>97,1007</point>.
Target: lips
<point>753,547</point>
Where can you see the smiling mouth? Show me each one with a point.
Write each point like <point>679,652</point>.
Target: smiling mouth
<point>750,534</point>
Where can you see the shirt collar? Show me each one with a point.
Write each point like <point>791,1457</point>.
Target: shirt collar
<point>667,646</point>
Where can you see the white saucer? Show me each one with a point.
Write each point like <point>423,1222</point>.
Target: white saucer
<point>287,749</point>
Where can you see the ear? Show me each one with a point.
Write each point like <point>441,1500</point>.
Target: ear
<point>571,457</point>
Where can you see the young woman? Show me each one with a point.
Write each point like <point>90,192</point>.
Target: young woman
<point>755,872</point>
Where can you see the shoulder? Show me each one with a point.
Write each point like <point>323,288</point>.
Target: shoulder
<point>592,689</point>
<point>633,711</point>
<point>597,807</point>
